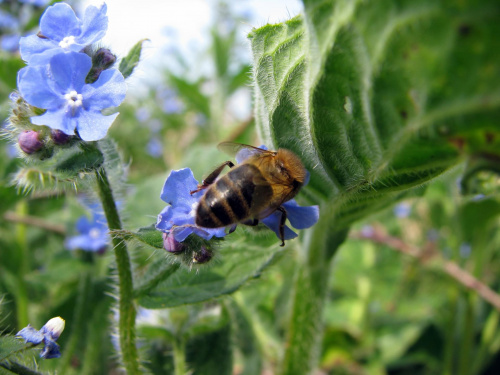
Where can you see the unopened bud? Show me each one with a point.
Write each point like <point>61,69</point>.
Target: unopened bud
<point>59,137</point>
<point>103,58</point>
<point>29,141</point>
<point>54,328</point>
<point>171,245</point>
<point>202,256</point>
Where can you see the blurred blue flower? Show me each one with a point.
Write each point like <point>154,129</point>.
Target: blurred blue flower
<point>465,249</point>
<point>10,42</point>
<point>93,234</point>
<point>179,217</point>
<point>154,147</point>
<point>49,334</point>
<point>37,3</point>
<point>402,210</point>
<point>8,21</point>
<point>70,102</point>
<point>170,103</point>
<point>142,114</point>
<point>62,31</point>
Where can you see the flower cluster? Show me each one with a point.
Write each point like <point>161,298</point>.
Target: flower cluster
<point>177,220</point>
<point>67,84</point>
<point>48,334</point>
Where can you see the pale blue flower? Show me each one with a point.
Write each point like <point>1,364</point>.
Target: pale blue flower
<point>71,104</point>
<point>62,31</point>
<point>93,234</point>
<point>179,217</point>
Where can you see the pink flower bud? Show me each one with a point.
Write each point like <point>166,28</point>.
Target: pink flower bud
<point>29,141</point>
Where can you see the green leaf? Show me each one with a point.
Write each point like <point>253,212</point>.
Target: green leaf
<point>372,95</point>
<point>240,260</point>
<point>211,353</point>
<point>129,62</point>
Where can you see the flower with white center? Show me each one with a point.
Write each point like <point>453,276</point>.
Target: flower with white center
<point>62,31</point>
<point>73,106</point>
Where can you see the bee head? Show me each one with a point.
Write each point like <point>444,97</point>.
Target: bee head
<point>290,167</point>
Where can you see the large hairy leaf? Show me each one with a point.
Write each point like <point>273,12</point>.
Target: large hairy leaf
<point>378,97</point>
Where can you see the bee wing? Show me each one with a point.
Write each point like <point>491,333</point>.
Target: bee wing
<point>242,151</point>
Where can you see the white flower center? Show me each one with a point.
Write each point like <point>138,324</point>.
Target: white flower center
<point>67,41</point>
<point>194,206</point>
<point>74,99</point>
<point>94,233</point>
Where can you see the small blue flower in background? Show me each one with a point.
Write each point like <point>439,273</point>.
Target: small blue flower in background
<point>465,249</point>
<point>48,334</point>
<point>72,104</point>
<point>402,210</point>
<point>170,103</point>
<point>37,3</point>
<point>154,147</point>
<point>93,234</point>
<point>179,218</point>
<point>62,31</point>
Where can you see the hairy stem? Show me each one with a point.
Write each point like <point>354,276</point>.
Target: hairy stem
<point>126,325</point>
<point>311,285</point>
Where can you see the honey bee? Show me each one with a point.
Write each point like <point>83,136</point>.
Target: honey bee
<point>251,190</point>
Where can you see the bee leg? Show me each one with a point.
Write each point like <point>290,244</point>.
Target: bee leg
<point>212,177</point>
<point>282,224</point>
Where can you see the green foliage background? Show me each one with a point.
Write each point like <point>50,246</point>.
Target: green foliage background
<point>383,101</point>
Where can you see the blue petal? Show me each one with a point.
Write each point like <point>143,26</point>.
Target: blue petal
<point>30,334</point>
<point>301,217</point>
<point>170,217</point>
<point>273,223</point>
<point>108,91</point>
<point>177,187</point>
<point>59,21</point>
<point>83,225</point>
<point>69,70</point>
<point>93,125</point>
<point>50,350</point>
<point>38,51</point>
<point>181,233</point>
<point>94,25</point>
<point>32,83</point>
<point>57,120</point>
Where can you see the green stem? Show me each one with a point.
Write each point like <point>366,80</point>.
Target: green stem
<point>16,368</point>
<point>126,325</point>
<point>311,285</point>
<point>180,357</point>
<point>24,266</point>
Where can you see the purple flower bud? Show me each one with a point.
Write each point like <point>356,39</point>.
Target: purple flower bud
<point>202,256</point>
<point>59,137</point>
<point>29,141</point>
<point>171,245</point>
<point>103,58</point>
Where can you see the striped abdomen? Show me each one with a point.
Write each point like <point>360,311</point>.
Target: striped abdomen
<point>232,198</point>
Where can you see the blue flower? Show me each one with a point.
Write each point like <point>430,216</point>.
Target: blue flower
<point>179,217</point>
<point>48,334</point>
<point>402,210</point>
<point>72,104</point>
<point>62,31</point>
<point>93,234</point>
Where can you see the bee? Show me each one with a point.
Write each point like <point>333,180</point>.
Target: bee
<point>250,191</point>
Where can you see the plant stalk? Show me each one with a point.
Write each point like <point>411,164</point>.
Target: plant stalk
<point>310,293</point>
<point>126,324</point>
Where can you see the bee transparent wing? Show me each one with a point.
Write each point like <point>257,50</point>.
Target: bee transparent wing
<point>241,151</point>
